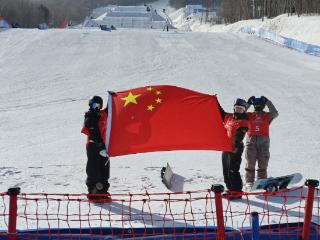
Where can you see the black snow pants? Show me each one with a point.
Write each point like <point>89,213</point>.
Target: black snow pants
<point>231,162</point>
<point>98,168</point>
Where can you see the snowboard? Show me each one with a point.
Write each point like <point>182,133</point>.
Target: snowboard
<point>274,184</point>
<point>167,175</point>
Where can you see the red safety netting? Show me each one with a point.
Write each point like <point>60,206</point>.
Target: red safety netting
<point>151,214</point>
<point>277,211</point>
<point>4,212</point>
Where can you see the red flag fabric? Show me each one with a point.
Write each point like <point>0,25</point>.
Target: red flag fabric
<point>162,118</point>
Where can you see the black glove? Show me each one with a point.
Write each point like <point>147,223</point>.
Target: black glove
<point>101,145</point>
<point>102,150</point>
<point>264,99</point>
<point>111,92</point>
<point>251,100</point>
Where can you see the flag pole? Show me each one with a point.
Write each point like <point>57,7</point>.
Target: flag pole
<point>109,121</point>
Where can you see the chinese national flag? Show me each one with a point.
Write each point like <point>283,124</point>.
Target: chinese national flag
<point>162,118</point>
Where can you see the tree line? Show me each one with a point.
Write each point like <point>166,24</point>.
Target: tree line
<point>236,10</point>
<point>29,13</point>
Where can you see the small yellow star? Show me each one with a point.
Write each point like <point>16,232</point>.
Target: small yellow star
<point>149,88</point>
<point>158,92</point>
<point>158,100</point>
<point>131,98</point>
<point>150,107</point>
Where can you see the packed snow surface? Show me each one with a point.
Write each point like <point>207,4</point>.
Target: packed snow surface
<point>305,28</point>
<point>47,77</point>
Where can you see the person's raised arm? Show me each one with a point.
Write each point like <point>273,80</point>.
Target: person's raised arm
<point>272,109</point>
<point>222,112</point>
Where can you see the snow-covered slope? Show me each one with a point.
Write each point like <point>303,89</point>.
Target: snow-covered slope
<point>304,28</point>
<point>47,77</point>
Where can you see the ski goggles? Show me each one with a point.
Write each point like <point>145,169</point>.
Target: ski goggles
<point>96,106</point>
<point>239,109</point>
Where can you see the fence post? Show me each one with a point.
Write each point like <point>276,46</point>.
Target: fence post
<point>218,189</point>
<point>311,184</point>
<point>255,225</point>
<point>12,227</point>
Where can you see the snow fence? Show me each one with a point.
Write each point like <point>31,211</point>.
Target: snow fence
<point>204,214</point>
<point>283,41</point>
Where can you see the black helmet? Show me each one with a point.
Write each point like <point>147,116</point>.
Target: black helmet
<point>259,104</point>
<point>95,102</point>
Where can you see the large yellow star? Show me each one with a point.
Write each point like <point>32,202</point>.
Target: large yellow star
<point>150,108</point>
<point>131,98</point>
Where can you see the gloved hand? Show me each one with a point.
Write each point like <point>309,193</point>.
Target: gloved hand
<point>264,99</point>
<point>247,106</point>
<point>251,100</point>
<point>111,92</point>
<point>103,153</point>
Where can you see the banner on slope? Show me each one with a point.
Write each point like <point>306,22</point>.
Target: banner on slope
<point>164,118</point>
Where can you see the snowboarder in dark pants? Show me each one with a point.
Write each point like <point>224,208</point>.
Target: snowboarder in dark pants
<point>166,25</point>
<point>236,124</point>
<point>98,164</point>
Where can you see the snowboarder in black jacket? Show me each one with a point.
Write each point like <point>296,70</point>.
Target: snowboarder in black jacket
<point>98,164</point>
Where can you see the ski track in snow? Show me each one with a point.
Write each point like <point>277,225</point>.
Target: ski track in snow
<point>47,77</point>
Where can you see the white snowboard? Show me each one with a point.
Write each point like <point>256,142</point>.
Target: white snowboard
<point>276,183</point>
<point>167,176</point>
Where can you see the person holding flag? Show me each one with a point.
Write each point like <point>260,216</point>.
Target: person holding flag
<point>236,124</point>
<point>98,164</point>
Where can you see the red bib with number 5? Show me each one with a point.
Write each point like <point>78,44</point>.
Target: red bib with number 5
<point>258,124</point>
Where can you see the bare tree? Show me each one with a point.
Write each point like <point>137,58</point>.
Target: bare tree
<point>235,10</point>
